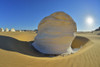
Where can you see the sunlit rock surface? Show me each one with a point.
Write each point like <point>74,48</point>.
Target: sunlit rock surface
<point>12,30</point>
<point>1,30</point>
<point>6,30</point>
<point>55,34</point>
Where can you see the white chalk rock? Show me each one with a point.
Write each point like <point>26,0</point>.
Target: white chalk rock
<point>55,34</point>
<point>6,30</point>
<point>20,31</point>
<point>12,30</point>
<point>1,30</point>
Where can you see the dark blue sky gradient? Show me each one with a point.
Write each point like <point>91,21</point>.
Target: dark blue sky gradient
<point>26,14</point>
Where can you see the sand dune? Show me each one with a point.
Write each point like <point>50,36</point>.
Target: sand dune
<point>16,51</point>
<point>22,36</point>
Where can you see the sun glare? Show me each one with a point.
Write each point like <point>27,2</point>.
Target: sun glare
<point>89,20</point>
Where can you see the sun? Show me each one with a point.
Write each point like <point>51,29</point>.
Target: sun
<point>89,20</point>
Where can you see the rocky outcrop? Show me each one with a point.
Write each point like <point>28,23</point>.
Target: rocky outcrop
<point>55,34</point>
<point>6,30</point>
<point>1,30</point>
<point>12,30</point>
<point>98,29</point>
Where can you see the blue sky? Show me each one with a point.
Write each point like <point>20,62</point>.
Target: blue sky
<point>26,14</point>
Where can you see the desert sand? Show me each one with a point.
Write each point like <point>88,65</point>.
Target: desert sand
<point>16,51</point>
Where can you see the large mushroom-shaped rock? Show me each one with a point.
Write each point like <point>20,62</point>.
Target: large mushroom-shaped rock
<point>12,30</point>
<point>6,30</point>
<point>55,34</point>
<point>1,30</point>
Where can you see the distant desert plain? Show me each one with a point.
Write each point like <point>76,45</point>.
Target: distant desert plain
<point>16,51</point>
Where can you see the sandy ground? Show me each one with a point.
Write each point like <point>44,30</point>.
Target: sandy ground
<point>16,51</point>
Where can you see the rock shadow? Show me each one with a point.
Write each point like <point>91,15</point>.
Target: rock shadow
<point>12,44</point>
<point>79,42</point>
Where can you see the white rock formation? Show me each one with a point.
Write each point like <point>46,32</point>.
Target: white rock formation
<point>12,30</point>
<point>1,30</point>
<point>55,34</point>
<point>6,30</point>
<point>20,31</point>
